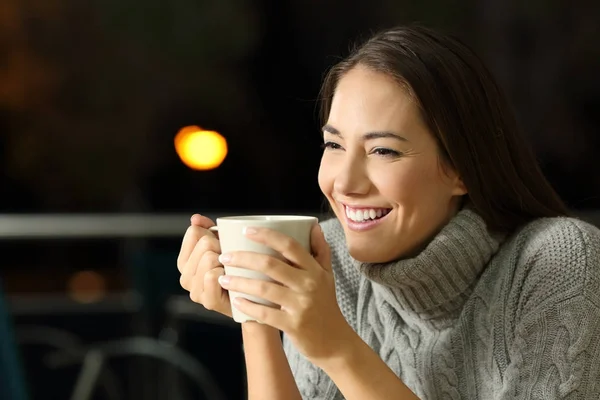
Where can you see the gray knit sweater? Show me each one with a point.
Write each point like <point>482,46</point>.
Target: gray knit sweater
<point>477,315</point>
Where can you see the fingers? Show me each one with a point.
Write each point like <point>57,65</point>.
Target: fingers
<point>208,262</point>
<point>320,248</point>
<point>289,248</point>
<point>201,221</point>
<point>205,243</point>
<point>190,239</point>
<point>203,258</point>
<point>198,262</point>
<point>270,291</point>
<point>204,286</point>
<point>265,314</point>
<point>194,232</point>
<point>214,297</point>
<point>275,269</point>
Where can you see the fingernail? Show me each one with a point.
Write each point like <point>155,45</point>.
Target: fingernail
<point>224,280</point>
<point>249,230</point>
<point>223,258</point>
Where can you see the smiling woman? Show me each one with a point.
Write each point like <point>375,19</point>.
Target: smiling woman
<point>451,96</point>
<point>366,166</point>
<point>451,270</point>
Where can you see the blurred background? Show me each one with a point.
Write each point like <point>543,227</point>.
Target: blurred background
<point>118,119</point>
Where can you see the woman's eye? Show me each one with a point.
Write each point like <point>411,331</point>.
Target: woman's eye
<point>331,146</point>
<point>382,151</point>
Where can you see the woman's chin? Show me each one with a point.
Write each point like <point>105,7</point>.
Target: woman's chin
<point>370,255</point>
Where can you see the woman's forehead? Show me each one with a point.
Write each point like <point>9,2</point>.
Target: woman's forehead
<point>365,100</point>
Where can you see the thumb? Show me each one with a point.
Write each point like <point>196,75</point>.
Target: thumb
<point>201,221</point>
<point>320,248</point>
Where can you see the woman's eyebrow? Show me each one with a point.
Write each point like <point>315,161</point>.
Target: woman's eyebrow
<point>367,136</point>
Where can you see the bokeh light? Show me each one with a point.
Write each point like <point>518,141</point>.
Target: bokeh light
<point>86,287</point>
<point>200,149</point>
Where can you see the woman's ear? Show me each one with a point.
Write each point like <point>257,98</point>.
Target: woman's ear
<point>453,180</point>
<point>459,189</point>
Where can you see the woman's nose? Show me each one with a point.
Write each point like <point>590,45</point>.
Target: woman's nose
<point>352,178</point>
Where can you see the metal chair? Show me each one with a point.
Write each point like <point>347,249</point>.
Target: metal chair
<point>94,359</point>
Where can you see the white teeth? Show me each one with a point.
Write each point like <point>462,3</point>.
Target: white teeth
<point>364,214</point>
<point>351,214</point>
<point>360,216</point>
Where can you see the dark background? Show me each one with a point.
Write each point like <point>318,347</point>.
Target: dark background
<point>93,92</point>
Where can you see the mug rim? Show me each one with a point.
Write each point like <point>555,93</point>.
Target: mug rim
<point>267,218</point>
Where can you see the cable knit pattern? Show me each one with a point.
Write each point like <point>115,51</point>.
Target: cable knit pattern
<point>476,315</point>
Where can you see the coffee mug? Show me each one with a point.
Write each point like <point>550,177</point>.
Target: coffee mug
<point>232,238</point>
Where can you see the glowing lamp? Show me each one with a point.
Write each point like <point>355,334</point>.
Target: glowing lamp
<point>199,149</point>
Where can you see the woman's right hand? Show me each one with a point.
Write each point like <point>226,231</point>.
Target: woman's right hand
<point>198,263</point>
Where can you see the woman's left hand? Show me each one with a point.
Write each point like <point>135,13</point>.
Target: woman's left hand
<point>304,288</point>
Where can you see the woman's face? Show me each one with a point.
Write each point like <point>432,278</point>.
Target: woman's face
<point>380,169</point>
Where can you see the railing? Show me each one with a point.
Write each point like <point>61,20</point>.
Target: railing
<point>64,226</point>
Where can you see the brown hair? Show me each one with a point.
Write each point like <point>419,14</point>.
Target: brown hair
<point>469,117</point>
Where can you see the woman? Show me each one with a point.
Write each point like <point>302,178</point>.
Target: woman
<point>458,274</point>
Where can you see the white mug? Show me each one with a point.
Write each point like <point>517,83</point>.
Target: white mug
<point>232,238</point>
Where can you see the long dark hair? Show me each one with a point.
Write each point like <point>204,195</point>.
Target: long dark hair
<point>469,117</point>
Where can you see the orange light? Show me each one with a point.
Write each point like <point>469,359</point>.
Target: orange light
<point>199,149</point>
<point>86,286</point>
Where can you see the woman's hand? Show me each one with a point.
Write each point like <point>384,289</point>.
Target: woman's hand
<point>304,288</point>
<point>198,263</point>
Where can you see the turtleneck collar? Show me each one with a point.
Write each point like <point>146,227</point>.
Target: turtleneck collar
<point>436,283</point>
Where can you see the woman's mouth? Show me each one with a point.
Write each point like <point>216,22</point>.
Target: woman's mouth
<point>364,218</point>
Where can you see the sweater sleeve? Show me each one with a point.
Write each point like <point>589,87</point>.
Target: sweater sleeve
<point>312,381</point>
<point>554,349</point>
